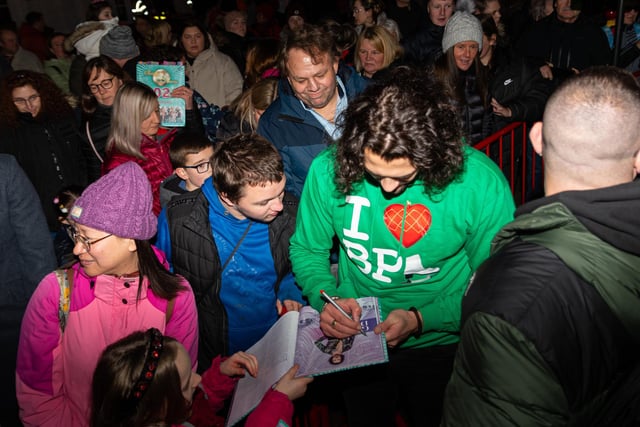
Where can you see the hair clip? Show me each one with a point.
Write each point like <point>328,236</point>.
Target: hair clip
<point>150,365</point>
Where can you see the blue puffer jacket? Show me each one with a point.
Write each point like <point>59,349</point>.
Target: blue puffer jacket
<point>296,133</point>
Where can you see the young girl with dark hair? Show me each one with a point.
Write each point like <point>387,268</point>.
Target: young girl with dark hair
<point>146,379</point>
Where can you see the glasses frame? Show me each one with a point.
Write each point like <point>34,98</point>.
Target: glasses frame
<point>26,102</point>
<point>103,84</point>
<point>357,10</point>
<point>86,243</point>
<point>199,167</point>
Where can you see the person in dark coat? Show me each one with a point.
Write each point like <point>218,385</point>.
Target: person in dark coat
<point>233,40</point>
<point>549,326</point>
<point>408,14</point>
<point>464,75</point>
<point>38,127</point>
<point>564,43</point>
<point>101,79</point>
<point>517,90</point>
<point>425,46</point>
<point>24,230</point>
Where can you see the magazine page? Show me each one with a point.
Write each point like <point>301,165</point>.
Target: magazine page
<point>163,79</point>
<point>275,357</point>
<point>318,354</point>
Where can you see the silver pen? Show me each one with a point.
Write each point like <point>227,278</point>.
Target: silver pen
<point>340,309</point>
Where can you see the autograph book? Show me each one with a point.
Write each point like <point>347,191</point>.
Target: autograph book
<point>296,338</point>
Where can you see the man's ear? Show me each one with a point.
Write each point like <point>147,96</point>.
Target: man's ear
<point>636,164</point>
<point>182,173</point>
<point>535,134</point>
<point>225,199</point>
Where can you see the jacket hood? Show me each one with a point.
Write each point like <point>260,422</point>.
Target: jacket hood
<point>86,37</point>
<point>610,213</point>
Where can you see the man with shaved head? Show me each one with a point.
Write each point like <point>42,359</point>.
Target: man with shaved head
<point>551,321</point>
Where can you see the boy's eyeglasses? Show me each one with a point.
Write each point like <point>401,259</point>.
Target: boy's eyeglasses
<point>200,167</point>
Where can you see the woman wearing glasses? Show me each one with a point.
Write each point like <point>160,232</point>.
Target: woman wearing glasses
<point>367,13</point>
<point>38,128</point>
<point>118,286</point>
<point>101,78</point>
<point>135,125</point>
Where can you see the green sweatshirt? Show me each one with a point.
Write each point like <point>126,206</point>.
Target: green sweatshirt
<point>411,250</point>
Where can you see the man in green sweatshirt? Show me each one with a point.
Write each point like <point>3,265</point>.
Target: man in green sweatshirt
<point>414,210</point>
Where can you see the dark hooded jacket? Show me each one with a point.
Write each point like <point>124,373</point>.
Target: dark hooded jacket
<point>425,46</point>
<point>50,153</point>
<point>551,321</point>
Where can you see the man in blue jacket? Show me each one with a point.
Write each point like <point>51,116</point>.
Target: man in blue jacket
<point>314,90</point>
<point>230,240</point>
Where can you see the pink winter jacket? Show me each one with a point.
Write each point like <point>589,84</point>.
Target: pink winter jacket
<point>55,370</point>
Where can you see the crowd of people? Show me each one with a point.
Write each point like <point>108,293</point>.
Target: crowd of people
<point>321,150</point>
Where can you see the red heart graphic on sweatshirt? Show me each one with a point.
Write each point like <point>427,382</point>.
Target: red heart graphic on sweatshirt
<point>416,222</point>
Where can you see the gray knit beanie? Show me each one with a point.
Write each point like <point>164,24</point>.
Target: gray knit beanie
<point>119,44</point>
<point>461,27</point>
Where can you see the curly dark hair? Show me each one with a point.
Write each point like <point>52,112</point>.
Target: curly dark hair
<point>54,105</point>
<point>406,115</point>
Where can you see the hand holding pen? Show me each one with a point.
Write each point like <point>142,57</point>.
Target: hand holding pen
<point>342,322</point>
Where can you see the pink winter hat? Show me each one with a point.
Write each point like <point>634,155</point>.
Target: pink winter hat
<point>119,203</point>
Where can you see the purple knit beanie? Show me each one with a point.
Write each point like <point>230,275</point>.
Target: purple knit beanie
<point>119,203</point>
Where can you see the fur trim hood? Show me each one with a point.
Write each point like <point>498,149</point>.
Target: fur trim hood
<point>86,37</point>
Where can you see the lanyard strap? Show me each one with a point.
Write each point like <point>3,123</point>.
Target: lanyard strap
<point>246,231</point>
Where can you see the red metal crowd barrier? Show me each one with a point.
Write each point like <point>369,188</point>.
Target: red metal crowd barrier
<point>509,148</point>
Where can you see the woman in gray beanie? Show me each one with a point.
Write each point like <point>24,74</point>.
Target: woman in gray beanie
<point>460,69</point>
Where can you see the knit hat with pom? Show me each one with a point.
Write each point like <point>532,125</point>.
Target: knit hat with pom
<point>119,203</point>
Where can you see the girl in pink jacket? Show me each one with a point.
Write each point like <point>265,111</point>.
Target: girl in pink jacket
<point>119,286</point>
<point>146,379</point>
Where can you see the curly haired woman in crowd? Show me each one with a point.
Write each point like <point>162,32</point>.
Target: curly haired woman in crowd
<point>38,128</point>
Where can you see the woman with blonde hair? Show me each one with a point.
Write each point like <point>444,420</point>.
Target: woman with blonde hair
<point>246,111</point>
<point>135,125</point>
<point>376,50</point>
